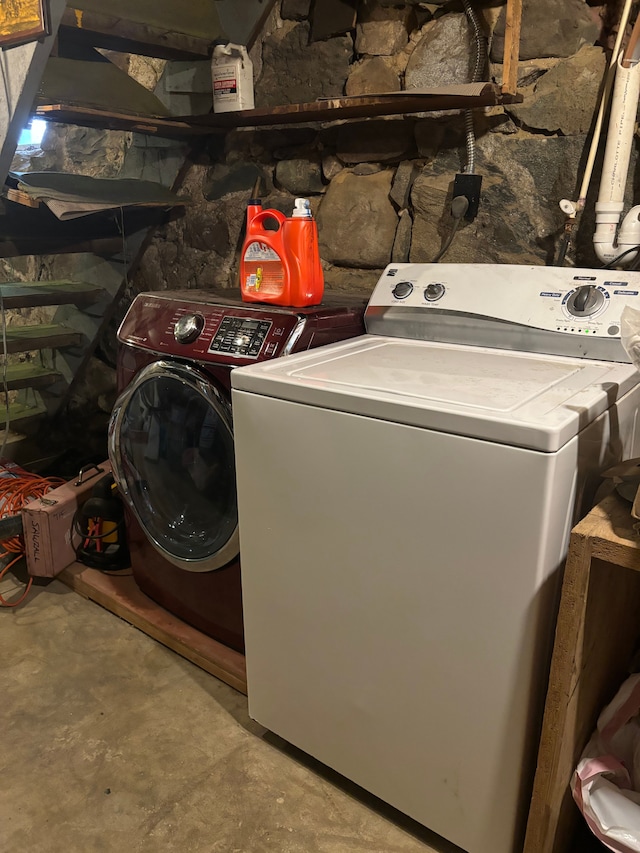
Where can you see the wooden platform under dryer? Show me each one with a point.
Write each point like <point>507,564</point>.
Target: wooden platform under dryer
<point>120,595</point>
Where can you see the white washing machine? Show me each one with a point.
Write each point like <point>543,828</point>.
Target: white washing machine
<point>405,503</point>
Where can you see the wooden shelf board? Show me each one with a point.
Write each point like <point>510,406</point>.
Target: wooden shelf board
<point>105,247</point>
<point>29,375</point>
<point>337,109</point>
<point>360,107</point>
<point>22,416</point>
<point>170,128</point>
<point>27,294</point>
<point>27,338</point>
<point>121,595</point>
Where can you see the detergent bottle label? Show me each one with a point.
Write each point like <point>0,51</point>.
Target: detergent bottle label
<point>263,269</point>
<point>258,251</point>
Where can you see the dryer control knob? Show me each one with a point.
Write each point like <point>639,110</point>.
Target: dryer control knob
<point>188,327</point>
<point>402,289</point>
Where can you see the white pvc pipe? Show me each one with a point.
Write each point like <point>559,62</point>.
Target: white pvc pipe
<point>604,103</point>
<point>624,106</point>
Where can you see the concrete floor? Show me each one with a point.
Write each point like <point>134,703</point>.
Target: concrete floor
<point>112,742</point>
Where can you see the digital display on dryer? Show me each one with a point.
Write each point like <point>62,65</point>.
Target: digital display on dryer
<point>238,336</point>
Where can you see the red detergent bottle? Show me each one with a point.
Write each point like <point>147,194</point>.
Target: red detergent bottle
<point>281,267</point>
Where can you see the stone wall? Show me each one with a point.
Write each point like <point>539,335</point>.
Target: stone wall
<point>381,188</point>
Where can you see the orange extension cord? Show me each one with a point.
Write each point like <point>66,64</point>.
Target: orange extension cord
<point>15,492</point>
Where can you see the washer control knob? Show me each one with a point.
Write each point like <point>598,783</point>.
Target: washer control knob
<point>585,301</point>
<point>402,289</point>
<point>434,291</point>
<point>188,328</point>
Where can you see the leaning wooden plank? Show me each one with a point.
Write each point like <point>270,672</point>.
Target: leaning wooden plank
<point>121,596</point>
<point>513,25</point>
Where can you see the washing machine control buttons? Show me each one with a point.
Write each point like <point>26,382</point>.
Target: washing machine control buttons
<point>402,289</point>
<point>188,328</point>
<point>434,291</point>
<point>585,301</point>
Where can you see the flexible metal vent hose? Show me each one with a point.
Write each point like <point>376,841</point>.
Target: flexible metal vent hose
<point>478,75</point>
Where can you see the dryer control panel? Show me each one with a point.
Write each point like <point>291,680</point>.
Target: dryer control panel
<point>240,336</point>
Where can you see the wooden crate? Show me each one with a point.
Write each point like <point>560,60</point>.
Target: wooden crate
<point>596,636</point>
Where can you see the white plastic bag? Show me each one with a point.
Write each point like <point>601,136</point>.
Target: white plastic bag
<point>630,334</point>
<point>606,782</point>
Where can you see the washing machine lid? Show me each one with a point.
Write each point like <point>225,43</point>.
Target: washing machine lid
<point>521,399</point>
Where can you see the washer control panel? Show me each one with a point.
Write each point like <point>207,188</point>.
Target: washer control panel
<point>559,310</point>
<point>190,328</point>
<point>558,299</point>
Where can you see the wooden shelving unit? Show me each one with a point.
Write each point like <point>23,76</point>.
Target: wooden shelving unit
<point>597,634</point>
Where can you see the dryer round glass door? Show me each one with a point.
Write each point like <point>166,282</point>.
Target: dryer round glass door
<point>171,448</point>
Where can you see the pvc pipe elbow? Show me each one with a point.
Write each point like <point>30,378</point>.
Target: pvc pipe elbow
<point>605,244</point>
<point>629,233</point>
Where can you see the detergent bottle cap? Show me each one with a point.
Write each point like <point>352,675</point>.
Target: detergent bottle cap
<point>302,208</point>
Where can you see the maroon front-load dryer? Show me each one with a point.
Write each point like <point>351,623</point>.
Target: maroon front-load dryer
<point>171,438</point>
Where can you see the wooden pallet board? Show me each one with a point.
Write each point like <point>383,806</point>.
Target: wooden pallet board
<point>120,595</point>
